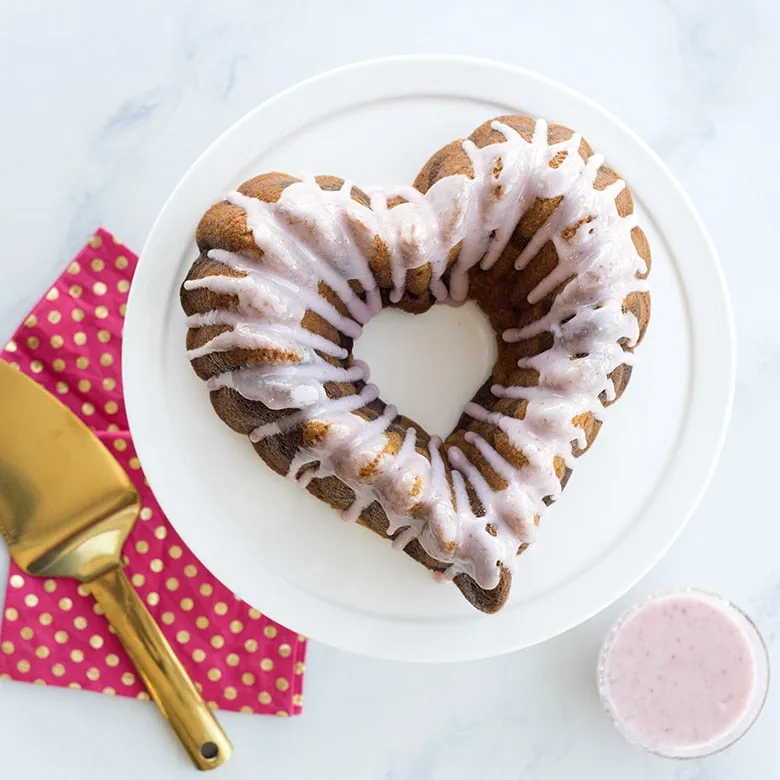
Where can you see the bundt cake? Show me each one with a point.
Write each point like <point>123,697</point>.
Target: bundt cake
<point>523,218</point>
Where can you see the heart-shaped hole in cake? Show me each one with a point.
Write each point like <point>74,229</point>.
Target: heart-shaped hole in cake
<point>429,365</point>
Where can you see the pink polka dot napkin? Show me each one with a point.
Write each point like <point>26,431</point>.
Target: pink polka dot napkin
<point>53,632</point>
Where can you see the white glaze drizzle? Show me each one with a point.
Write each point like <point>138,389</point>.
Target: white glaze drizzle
<point>312,236</point>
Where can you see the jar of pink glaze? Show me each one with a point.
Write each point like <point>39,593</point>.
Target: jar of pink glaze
<point>683,674</point>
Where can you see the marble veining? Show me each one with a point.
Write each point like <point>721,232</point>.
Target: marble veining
<point>105,108</point>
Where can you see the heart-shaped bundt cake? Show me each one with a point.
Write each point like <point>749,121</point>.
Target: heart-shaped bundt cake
<point>524,219</point>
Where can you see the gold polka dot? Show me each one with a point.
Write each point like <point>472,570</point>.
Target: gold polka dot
<point>80,623</point>
<point>220,608</point>
<point>76,686</point>
<point>266,664</point>
<point>168,618</point>
<point>84,385</point>
<point>134,464</point>
<point>87,409</point>
<point>254,614</point>
<point>121,262</point>
<point>11,614</point>
<point>142,546</point>
<point>187,604</point>
<point>282,714</point>
<point>122,309</point>
<point>58,670</point>
<point>109,383</point>
<point>101,312</point>
<point>36,366</point>
<point>270,631</point>
<point>123,285</point>
<point>153,599</point>
<point>62,388</point>
<point>120,445</point>
<point>42,652</point>
<point>77,315</point>
<point>53,294</point>
<point>143,696</point>
<point>264,697</point>
<point>111,407</point>
<point>75,290</point>
<point>112,660</point>
<point>301,638</point>
<point>236,626</point>
<point>282,684</point>
<point>297,700</point>
<point>93,674</point>
<point>250,645</point>
<point>95,242</point>
<point>300,667</point>
<point>98,610</point>
<point>214,674</point>
<point>10,346</point>
<point>112,428</point>
<point>66,604</point>
<point>33,342</point>
<point>138,579</point>
<point>16,581</point>
<point>175,553</point>
<point>189,569</point>
<point>83,590</point>
<point>230,693</point>
<point>97,265</point>
<point>156,565</point>
<point>232,659</point>
<point>58,364</point>
<point>26,633</point>
<point>206,589</point>
<point>61,637</point>
<point>56,341</point>
<point>212,705</point>
<point>74,268</point>
<point>217,641</point>
<point>248,678</point>
<point>172,583</point>
<point>109,691</point>
<point>285,650</point>
<point>77,656</point>
<point>198,656</point>
<point>31,321</point>
<point>247,709</point>
<point>82,362</point>
<point>31,600</point>
<point>23,666</point>
<point>54,317</point>
<point>128,678</point>
<point>7,647</point>
<point>106,359</point>
<point>80,338</point>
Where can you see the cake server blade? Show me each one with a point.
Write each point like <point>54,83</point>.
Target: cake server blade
<point>66,508</point>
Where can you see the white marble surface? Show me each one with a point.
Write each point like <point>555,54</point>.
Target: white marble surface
<point>106,105</point>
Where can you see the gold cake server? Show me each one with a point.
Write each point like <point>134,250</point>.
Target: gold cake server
<point>66,508</point>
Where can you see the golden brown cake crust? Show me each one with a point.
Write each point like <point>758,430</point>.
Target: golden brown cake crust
<point>500,291</point>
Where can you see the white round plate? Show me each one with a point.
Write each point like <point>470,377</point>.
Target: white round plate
<point>290,555</point>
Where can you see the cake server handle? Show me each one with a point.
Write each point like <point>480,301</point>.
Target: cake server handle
<point>168,683</point>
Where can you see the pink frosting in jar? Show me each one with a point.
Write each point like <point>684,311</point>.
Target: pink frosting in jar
<point>683,674</point>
